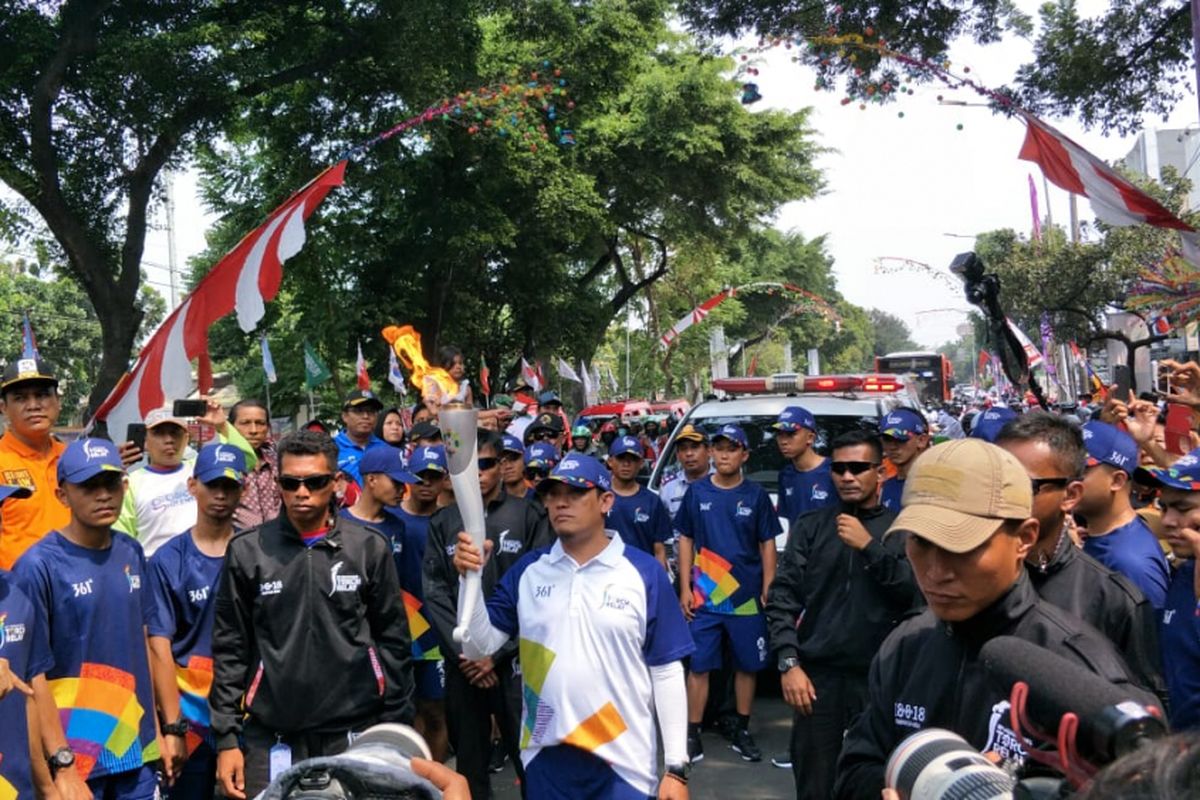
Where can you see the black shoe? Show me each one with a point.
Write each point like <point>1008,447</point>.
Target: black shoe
<point>782,760</point>
<point>726,726</point>
<point>743,745</point>
<point>498,757</point>
<point>695,748</point>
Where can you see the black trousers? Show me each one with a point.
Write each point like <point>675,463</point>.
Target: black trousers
<point>259,741</point>
<point>469,713</point>
<point>817,738</point>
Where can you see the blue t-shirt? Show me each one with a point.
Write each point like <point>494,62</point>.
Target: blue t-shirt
<point>726,527</point>
<point>892,493</point>
<point>97,605</point>
<point>641,520</point>
<point>1180,643</point>
<point>350,453</point>
<point>1133,551</point>
<point>801,492</point>
<point>183,585</point>
<point>412,554</point>
<point>24,642</point>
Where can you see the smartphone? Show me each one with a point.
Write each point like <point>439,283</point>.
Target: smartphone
<point>190,408</point>
<point>1178,429</point>
<point>136,433</point>
<point>1122,380</point>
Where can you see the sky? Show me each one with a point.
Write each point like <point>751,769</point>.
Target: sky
<point>915,187</point>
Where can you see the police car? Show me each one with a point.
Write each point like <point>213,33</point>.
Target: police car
<point>839,403</point>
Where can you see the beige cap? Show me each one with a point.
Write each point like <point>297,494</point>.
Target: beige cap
<point>958,493</point>
<point>162,416</point>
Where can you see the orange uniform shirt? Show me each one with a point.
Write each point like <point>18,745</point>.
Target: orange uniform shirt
<point>23,522</point>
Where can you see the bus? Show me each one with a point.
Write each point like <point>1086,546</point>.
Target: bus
<point>931,374</point>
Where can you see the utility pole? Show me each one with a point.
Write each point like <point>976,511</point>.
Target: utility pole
<point>1196,37</point>
<point>170,209</point>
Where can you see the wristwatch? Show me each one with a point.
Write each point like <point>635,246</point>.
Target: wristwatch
<point>61,758</point>
<point>177,728</point>
<point>680,772</point>
<point>786,664</point>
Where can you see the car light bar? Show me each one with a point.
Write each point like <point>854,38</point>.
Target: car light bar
<point>789,382</point>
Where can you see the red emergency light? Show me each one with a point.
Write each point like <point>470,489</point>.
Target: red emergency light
<point>785,383</point>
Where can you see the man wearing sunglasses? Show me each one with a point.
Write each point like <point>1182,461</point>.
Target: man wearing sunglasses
<point>360,412</point>
<point>478,688</point>
<point>905,435</point>
<point>546,427</point>
<point>839,591</point>
<point>540,458</point>
<point>286,696</point>
<point>1053,454</point>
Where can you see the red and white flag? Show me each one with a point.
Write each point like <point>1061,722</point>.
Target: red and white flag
<point>243,281</point>
<point>1032,354</point>
<point>530,375</point>
<point>360,370</point>
<point>1114,199</point>
<point>694,316</point>
<point>485,377</point>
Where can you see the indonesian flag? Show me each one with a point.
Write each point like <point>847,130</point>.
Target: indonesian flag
<point>1031,352</point>
<point>1114,199</point>
<point>694,316</point>
<point>360,369</point>
<point>531,376</point>
<point>243,281</point>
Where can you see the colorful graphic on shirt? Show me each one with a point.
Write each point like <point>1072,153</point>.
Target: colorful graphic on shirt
<point>7,790</point>
<point>194,682</point>
<point>536,659</point>
<point>425,645</point>
<point>100,714</point>
<point>3,630</point>
<point>599,729</point>
<point>713,585</point>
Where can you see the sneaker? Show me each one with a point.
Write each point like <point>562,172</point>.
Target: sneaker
<point>726,725</point>
<point>782,760</point>
<point>743,745</point>
<point>498,758</point>
<point>695,748</point>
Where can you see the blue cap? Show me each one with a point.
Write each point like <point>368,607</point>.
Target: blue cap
<point>1109,445</point>
<point>582,472</point>
<point>386,461</point>
<point>18,492</point>
<point>626,444</point>
<point>511,444</point>
<point>988,424</point>
<point>219,461</point>
<point>87,458</point>
<point>793,418</point>
<point>902,424</point>
<point>734,434</point>
<point>1183,474</point>
<point>541,455</point>
<point>548,396</point>
<point>428,457</point>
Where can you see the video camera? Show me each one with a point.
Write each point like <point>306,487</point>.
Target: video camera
<point>1082,721</point>
<point>377,765</point>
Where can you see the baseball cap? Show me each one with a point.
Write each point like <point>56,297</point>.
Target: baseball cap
<point>19,492</point>
<point>164,416</point>
<point>958,493</point>
<point>511,444</point>
<point>1183,474</point>
<point>582,472</point>
<point>734,434</point>
<point>988,424</point>
<point>362,397</point>
<point>626,444</point>
<point>547,397</point>
<point>691,433</point>
<point>20,370</point>
<point>428,457</point>
<point>541,454</point>
<point>502,401</point>
<point>1107,444</point>
<point>219,461</point>
<point>902,424</point>
<point>386,461</point>
<point>793,418</point>
<point>87,458</point>
<point>546,421</point>
<point>424,430</point>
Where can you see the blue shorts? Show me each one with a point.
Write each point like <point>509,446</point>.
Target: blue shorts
<point>745,634</point>
<point>136,784</point>
<point>563,772</point>
<point>430,679</point>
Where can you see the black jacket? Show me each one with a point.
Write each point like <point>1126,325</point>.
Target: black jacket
<point>928,675</point>
<point>514,527</point>
<point>313,639</point>
<point>847,600</point>
<point>1110,603</point>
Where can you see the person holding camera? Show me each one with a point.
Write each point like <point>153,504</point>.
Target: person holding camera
<point>968,514</point>
<point>310,640</point>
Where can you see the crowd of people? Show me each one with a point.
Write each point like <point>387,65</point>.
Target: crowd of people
<point>188,620</point>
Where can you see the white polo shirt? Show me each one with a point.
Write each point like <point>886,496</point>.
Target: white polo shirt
<point>588,636</point>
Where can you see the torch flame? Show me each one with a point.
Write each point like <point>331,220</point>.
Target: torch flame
<point>407,344</point>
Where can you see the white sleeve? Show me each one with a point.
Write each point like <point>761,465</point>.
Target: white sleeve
<point>482,637</point>
<point>670,706</point>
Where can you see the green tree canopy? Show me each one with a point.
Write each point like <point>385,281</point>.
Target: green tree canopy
<point>892,334</point>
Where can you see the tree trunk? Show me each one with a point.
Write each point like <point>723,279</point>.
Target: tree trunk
<point>119,323</point>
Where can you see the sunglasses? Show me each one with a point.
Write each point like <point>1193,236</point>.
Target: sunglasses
<point>536,474</point>
<point>430,475</point>
<point>1038,483</point>
<point>488,463</point>
<point>314,483</point>
<point>542,436</point>
<point>853,467</point>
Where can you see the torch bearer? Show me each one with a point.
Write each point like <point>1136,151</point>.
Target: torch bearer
<point>459,424</point>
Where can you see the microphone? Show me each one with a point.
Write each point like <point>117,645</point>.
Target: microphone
<point>1112,720</point>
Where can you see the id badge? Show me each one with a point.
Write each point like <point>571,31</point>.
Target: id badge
<point>280,759</point>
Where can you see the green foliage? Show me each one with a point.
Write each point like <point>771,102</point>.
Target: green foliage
<point>891,333</point>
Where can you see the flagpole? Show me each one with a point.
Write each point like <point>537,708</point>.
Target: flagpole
<point>312,414</point>
<point>267,386</point>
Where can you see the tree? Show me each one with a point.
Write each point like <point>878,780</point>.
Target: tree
<point>102,96</point>
<point>891,333</point>
<point>1111,70</point>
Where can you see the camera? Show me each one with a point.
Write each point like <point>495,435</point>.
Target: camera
<point>376,765</point>
<point>936,763</point>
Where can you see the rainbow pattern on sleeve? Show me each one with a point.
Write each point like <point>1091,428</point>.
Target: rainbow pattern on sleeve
<point>425,645</point>
<point>713,585</point>
<point>101,715</point>
<point>194,682</point>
